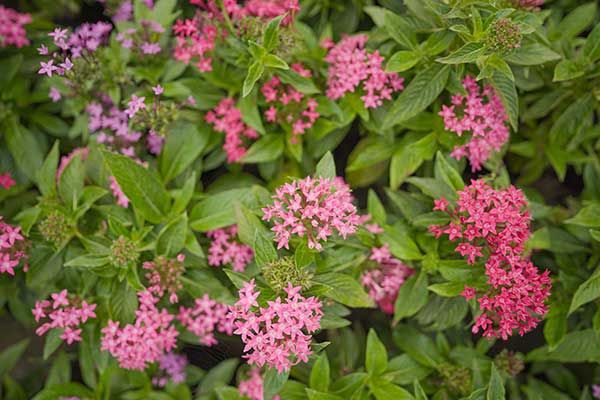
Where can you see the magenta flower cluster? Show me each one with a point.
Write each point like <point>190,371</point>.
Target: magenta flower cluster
<point>205,318</point>
<point>145,40</point>
<point>275,335</point>
<point>287,106</point>
<point>12,32</point>
<point>146,340</point>
<point>164,276</point>
<point>385,281</point>
<point>493,224</point>
<point>195,39</point>
<point>481,114</point>
<point>13,248</point>
<point>171,368</point>
<point>226,249</point>
<point>227,118</point>
<point>268,9</point>
<point>64,313</point>
<point>352,68</point>
<point>315,208</point>
<point>6,181</point>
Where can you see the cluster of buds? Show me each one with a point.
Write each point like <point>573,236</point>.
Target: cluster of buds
<point>164,276</point>
<point>510,362</point>
<point>503,36</point>
<point>280,273</point>
<point>123,253</point>
<point>455,379</point>
<point>55,228</point>
<point>64,312</point>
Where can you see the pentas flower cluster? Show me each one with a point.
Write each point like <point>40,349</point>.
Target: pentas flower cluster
<point>85,40</point>
<point>352,69</point>
<point>12,32</point>
<point>146,340</point>
<point>227,118</point>
<point>64,313</point>
<point>481,114</point>
<point>144,40</point>
<point>384,282</point>
<point>226,249</point>
<point>287,106</point>
<point>164,276</point>
<point>493,223</point>
<point>205,318</point>
<point>6,181</point>
<point>503,36</point>
<point>195,40</point>
<point>268,9</point>
<point>315,208</point>
<point>275,335</point>
<point>171,368</point>
<point>253,388</point>
<point>13,248</point>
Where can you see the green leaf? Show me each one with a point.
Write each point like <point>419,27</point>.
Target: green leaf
<point>345,289</point>
<point>24,147</point>
<point>70,389</point>
<point>567,70</point>
<point>383,390</point>
<point>185,143</point>
<point>270,38</point>
<point>319,375</point>
<point>70,184</point>
<point>326,167</point>
<point>409,157</point>
<point>419,392</point>
<point>402,245</point>
<point>218,376</point>
<point>248,106</point>
<point>171,238</point>
<point>216,211</point>
<point>447,173</point>
<point>271,60</point>
<point>555,327</point>
<point>52,342</point>
<point>46,176</point>
<point>267,148</point>
<point>508,94</point>
<point>255,71</point>
<point>418,95</point>
<point>468,53</point>
<point>591,49</point>
<point>400,30</point>
<point>403,370</point>
<point>586,292</point>
<point>264,251</point>
<point>184,196</point>
<point>447,289</point>
<point>315,395</point>
<point>402,61</point>
<point>418,346</point>
<point>531,54</point>
<point>577,346</point>
<point>146,193</point>
<point>577,21</point>
<point>300,83</point>
<point>88,261</point>
<point>9,66</point>
<point>376,355</point>
<point>372,153</point>
<point>588,216</point>
<point>375,208</point>
<point>412,296</point>
<point>123,303</point>
<point>11,355</point>
<point>496,386</point>
<point>273,382</point>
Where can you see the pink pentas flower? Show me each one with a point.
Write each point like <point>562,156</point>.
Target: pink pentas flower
<point>54,94</point>
<point>289,107</point>
<point>278,335</point>
<point>6,181</point>
<point>269,9</point>
<point>12,32</point>
<point>171,368</point>
<point>353,69</point>
<point>144,39</point>
<point>315,208</point>
<point>195,41</point>
<point>206,318</point>
<point>164,276</point>
<point>225,249</point>
<point>118,194</point>
<point>227,118</point>
<point>252,388</point>
<point>64,312</point>
<point>481,114</point>
<point>13,248</point>
<point>384,281</point>
<point>596,391</point>
<point>146,340</point>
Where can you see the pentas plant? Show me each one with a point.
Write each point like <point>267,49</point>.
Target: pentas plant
<point>283,199</point>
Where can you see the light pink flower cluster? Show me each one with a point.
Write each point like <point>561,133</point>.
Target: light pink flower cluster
<point>171,368</point>
<point>146,340</point>
<point>86,39</point>
<point>352,68</point>
<point>275,335</point>
<point>493,223</point>
<point>253,388</point>
<point>205,318</point>
<point>289,106</point>
<point>226,249</point>
<point>11,28</point>
<point>164,276</point>
<point>64,313</point>
<point>480,113</point>
<point>596,391</point>
<point>385,281</point>
<point>315,208</point>
<point>227,118</point>
<point>6,181</point>
<point>13,248</point>
<point>118,194</point>
<point>144,39</point>
<point>65,160</point>
<point>195,40</point>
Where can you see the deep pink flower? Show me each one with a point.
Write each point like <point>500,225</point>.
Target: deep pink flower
<point>13,248</point>
<point>11,28</point>
<point>226,249</point>
<point>352,69</point>
<point>205,318</point>
<point>275,335</point>
<point>6,181</point>
<point>315,208</point>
